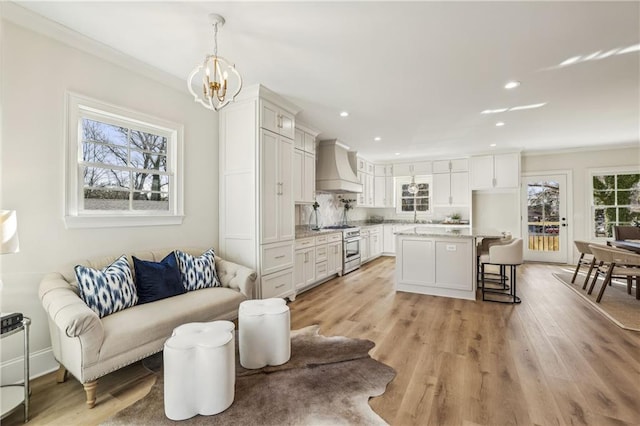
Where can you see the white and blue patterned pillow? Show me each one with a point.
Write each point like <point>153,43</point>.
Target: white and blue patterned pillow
<point>107,291</point>
<point>198,272</point>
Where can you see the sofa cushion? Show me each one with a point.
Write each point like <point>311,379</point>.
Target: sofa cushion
<point>143,325</point>
<point>108,290</point>
<point>198,272</point>
<point>157,280</point>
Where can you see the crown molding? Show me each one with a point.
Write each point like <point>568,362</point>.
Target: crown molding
<point>30,20</point>
<point>581,149</point>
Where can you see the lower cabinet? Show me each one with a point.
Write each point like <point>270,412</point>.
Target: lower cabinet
<point>371,244</point>
<point>279,284</point>
<point>316,259</point>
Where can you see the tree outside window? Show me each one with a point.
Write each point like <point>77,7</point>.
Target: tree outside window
<point>616,201</point>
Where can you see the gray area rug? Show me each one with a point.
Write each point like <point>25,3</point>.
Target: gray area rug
<point>621,308</point>
<point>327,381</point>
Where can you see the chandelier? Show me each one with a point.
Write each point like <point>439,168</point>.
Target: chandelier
<point>221,82</point>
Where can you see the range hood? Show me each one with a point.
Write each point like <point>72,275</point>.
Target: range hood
<point>334,171</point>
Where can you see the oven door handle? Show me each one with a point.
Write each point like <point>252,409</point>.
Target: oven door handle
<point>350,240</point>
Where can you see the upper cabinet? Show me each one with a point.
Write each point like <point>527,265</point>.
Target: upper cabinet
<point>277,120</point>
<point>451,182</point>
<point>383,186</point>
<point>495,171</point>
<point>304,165</point>
<point>454,165</point>
<point>413,169</point>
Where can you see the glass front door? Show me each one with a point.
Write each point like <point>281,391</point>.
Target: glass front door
<point>546,224</point>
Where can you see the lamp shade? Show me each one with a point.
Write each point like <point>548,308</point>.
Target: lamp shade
<point>8,232</point>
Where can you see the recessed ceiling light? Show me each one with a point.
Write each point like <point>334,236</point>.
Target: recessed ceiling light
<point>494,111</point>
<point>500,124</point>
<point>492,145</point>
<point>531,106</point>
<point>344,114</point>
<point>397,153</point>
<point>512,85</point>
<point>377,139</point>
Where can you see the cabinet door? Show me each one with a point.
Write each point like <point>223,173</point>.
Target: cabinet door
<point>416,261</point>
<point>362,196</point>
<point>441,166</point>
<point>286,220</point>
<point>481,172</point>
<point>298,141</point>
<point>279,284</point>
<point>298,269</point>
<point>388,239</point>
<point>460,189</point>
<point>370,168</point>
<point>310,266</point>
<point>379,191</point>
<point>364,248</point>
<point>299,177</point>
<point>309,143</point>
<point>402,169</point>
<point>269,117</point>
<point>507,170</point>
<point>459,165</point>
<point>269,188</point>
<point>287,124</point>
<point>423,168</point>
<point>379,170</point>
<point>309,178</point>
<point>390,197</point>
<point>362,165</point>
<point>374,244</point>
<point>334,259</point>
<point>454,260</point>
<point>370,190</point>
<point>441,189</point>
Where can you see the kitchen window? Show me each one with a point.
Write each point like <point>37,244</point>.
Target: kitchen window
<point>615,200</point>
<point>123,168</point>
<point>408,203</point>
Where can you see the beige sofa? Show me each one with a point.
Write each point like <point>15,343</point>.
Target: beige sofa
<point>90,347</point>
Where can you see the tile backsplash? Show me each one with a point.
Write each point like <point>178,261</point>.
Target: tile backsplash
<point>331,211</point>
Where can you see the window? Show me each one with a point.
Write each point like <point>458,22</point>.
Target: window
<point>615,201</point>
<point>123,167</point>
<point>411,203</point>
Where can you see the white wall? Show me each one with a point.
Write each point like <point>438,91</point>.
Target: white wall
<point>497,211</point>
<point>579,163</point>
<point>36,71</point>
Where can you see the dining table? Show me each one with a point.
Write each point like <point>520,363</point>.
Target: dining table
<point>631,245</point>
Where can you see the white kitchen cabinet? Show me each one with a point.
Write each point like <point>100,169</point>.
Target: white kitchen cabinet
<point>334,258</point>
<point>370,189</point>
<point>388,239</point>
<point>418,168</point>
<point>451,189</point>
<point>495,171</point>
<point>256,215</point>
<point>276,181</point>
<point>304,165</point>
<point>298,173</point>
<point>305,267</point>
<point>452,165</point>
<point>276,119</point>
<point>379,191</point>
<point>450,256</point>
<point>375,242</point>
<point>364,245</point>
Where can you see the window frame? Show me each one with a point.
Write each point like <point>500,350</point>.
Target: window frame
<point>75,216</point>
<point>420,179</point>
<point>610,171</point>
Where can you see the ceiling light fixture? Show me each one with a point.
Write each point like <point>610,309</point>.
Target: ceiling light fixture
<point>221,82</point>
<point>500,124</point>
<point>344,114</point>
<point>397,153</point>
<point>512,85</point>
<point>377,139</point>
<point>493,145</point>
<point>515,108</point>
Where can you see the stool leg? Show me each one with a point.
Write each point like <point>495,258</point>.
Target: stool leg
<point>591,266</point>
<point>482,277</point>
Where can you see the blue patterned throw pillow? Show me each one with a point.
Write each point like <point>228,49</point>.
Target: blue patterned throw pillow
<point>109,290</point>
<point>198,272</point>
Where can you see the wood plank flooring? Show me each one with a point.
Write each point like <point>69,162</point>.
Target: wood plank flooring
<point>552,360</point>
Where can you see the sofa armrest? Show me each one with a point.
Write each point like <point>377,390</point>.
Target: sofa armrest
<point>236,276</point>
<point>69,312</point>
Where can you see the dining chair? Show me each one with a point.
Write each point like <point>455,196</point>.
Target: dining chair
<point>626,233</point>
<point>503,255</point>
<point>607,259</point>
<point>586,258</point>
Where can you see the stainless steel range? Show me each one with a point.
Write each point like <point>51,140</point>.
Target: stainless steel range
<point>350,247</point>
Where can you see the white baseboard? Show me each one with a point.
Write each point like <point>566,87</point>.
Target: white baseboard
<point>40,363</point>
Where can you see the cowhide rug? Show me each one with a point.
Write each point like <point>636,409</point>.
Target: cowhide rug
<point>327,381</point>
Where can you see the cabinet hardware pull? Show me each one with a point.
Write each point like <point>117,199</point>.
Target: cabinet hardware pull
<point>279,257</point>
<point>279,286</point>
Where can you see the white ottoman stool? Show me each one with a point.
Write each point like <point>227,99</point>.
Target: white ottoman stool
<point>199,369</point>
<point>264,333</point>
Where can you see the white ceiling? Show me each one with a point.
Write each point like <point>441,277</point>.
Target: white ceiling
<point>416,74</point>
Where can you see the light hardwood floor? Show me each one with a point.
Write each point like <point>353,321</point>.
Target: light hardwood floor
<point>550,360</point>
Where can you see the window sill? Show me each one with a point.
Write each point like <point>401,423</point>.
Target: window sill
<point>72,222</point>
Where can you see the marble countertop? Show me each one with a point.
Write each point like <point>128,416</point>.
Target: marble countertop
<point>303,231</point>
<point>462,232</point>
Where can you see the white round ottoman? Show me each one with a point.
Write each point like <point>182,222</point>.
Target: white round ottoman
<point>199,369</point>
<point>264,333</point>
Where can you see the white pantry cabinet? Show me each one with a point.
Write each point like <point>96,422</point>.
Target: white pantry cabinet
<point>256,214</point>
<point>304,166</point>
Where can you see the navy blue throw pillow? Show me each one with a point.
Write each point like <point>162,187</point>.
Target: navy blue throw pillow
<point>157,280</point>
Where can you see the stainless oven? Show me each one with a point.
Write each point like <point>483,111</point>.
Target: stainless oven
<point>351,247</point>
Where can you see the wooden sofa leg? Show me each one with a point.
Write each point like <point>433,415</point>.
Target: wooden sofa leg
<point>90,389</point>
<point>61,374</point>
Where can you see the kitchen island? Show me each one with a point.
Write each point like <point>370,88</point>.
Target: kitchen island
<point>437,261</point>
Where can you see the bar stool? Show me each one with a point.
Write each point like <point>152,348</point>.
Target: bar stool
<point>502,255</point>
<point>483,249</point>
<point>583,248</point>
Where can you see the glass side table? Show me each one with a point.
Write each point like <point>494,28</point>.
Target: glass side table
<point>15,395</point>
